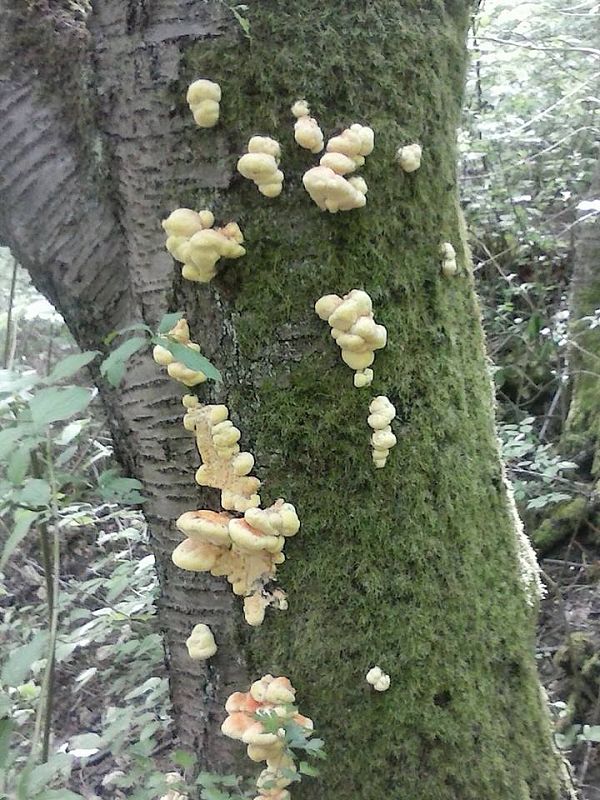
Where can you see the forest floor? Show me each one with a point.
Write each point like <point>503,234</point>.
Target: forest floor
<point>568,651</point>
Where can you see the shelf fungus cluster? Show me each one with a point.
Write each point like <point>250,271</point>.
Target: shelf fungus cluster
<point>203,97</point>
<point>378,679</point>
<point>270,698</point>
<point>449,265</point>
<point>382,412</point>
<point>201,643</point>
<point>180,334</point>
<point>192,240</point>
<point>326,184</point>
<point>307,132</point>
<point>409,157</point>
<point>261,165</point>
<point>355,331</point>
<point>245,549</point>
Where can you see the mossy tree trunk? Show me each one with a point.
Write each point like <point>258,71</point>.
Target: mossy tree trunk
<point>415,567</point>
<point>582,429</point>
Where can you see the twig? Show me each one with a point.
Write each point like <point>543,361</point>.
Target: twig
<point>11,302</point>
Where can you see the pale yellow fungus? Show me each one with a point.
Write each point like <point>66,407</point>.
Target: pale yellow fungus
<point>203,97</point>
<point>409,157</point>
<point>355,331</point>
<point>307,132</point>
<point>356,142</point>
<point>261,165</point>
<point>332,192</point>
<point>449,265</point>
<point>201,643</point>
<point>382,412</point>
<point>269,694</point>
<point>223,466</point>
<point>180,333</point>
<point>378,679</point>
<point>192,240</point>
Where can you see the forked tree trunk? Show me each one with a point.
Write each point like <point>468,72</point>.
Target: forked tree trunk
<point>414,567</point>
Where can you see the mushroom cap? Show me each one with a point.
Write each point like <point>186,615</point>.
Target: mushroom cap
<point>358,360</point>
<point>341,164</point>
<point>183,222</point>
<point>195,556</point>
<point>326,305</point>
<point>255,734</point>
<point>236,724</point>
<point>181,373</point>
<point>308,134</point>
<point>241,701</point>
<point>203,89</point>
<point>300,109</point>
<point>248,538</point>
<point>264,144</point>
<point>258,167</point>
<point>201,643</point>
<point>208,526</point>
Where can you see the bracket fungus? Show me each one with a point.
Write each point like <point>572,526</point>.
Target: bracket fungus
<point>378,679</point>
<point>267,696</point>
<point>382,412</point>
<point>201,643</point>
<point>223,467</point>
<point>261,165</point>
<point>180,333</point>
<point>192,240</point>
<point>203,97</point>
<point>449,265</point>
<point>409,157</point>
<point>307,132</point>
<point>326,184</point>
<point>355,330</point>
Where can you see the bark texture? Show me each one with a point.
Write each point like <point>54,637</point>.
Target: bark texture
<point>582,429</point>
<point>414,567</point>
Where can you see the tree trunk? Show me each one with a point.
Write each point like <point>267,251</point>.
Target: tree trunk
<point>582,429</point>
<point>416,567</point>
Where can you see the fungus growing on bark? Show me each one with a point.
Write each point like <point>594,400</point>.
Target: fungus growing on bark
<point>345,153</point>
<point>223,467</point>
<point>449,266</point>
<point>261,165</point>
<point>409,157</point>
<point>354,329</point>
<point>267,696</point>
<point>203,97</point>
<point>180,333</point>
<point>192,240</point>
<point>378,679</point>
<point>201,643</point>
<point>307,132</point>
<point>382,412</point>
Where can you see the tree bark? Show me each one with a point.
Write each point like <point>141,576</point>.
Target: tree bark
<point>415,567</point>
<point>582,429</point>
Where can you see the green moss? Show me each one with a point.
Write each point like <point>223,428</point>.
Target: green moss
<point>412,567</point>
<point>563,522</point>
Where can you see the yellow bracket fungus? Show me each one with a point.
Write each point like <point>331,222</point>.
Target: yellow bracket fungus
<point>382,412</point>
<point>378,679</point>
<point>267,696</point>
<point>449,265</point>
<point>409,157</point>
<point>179,333</point>
<point>345,153</point>
<point>201,643</point>
<point>307,132</point>
<point>203,97</point>
<point>192,240</point>
<point>223,467</point>
<point>355,330</point>
<point>261,165</point>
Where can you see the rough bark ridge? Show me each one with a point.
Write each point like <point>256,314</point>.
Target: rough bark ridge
<point>413,567</point>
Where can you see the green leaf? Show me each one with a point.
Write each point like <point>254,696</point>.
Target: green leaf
<point>59,794</point>
<point>17,665</point>
<point>18,464</point>
<point>307,769</point>
<point>115,489</point>
<point>169,321</point>
<point>8,439</point>
<point>113,367</point>
<point>35,492</point>
<point>6,726</point>
<point>23,520</point>
<point>184,759</point>
<point>58,403</point>
<point>138,326</point>
<point>191,358</point>
<point>70,365</point>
